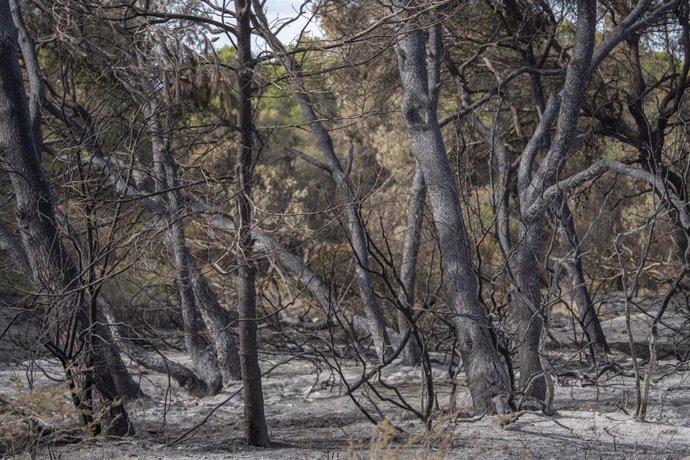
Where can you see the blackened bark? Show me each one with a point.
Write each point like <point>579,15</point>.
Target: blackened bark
<point>649,137</point>
<point>254,417</point>
<point>33,71</point>
<point>486,375</point>
<point>526,304</point>
<point>53,272</point>
<point>116,171</point>
<point>588,319</point>
<point>122,380</point>
<point>9,244</point>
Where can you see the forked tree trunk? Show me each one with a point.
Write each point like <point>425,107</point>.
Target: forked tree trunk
<point>217,326</point>
<point>526,305</point>
<point>53,272</point>
<point>256,430</point>
<point>486,374</point>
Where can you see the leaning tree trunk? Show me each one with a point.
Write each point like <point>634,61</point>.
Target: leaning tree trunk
<point>411,354</point>
<point>589,320</point>
<point>256,430</point>
<point>486,375</point>
<point>217,326</point>
<point>153,360</point>
<point>204,361</point>
<point>53,272</point>
<point>358,234</point>
<point>115,172</point>
<point>123,381</point>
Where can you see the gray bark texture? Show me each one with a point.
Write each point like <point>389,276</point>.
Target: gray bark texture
<point>586,314</point>
<point>217,326</point>
<point>33,71</point>
<point>358,235</point>
<point>526,305</point>
<point>411,354</point>
<point>205,362</point>
<point>53,272</point>
<point>486,375</point>
<point>153,360</point>
<point>115,173</point>
<point>648,135</point>
<point>123,381</point>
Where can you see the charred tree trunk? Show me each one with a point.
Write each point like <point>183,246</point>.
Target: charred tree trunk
<point>256,430</point>
<point>78,342</point>
<point>116,172</point>
<point>650,136</point>
<point>486,374</point>
<point>124,383</point>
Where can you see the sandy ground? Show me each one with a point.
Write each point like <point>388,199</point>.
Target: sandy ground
<point>310,415</point>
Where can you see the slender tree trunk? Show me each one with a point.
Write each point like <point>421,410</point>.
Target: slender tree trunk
<point>115,172</point>
<point>486,375</point>
<point>52,270</point>
<point>651,137</point>
<point>202,300</point>
<point>217,326</point>
<point>411,354</point>
<point>586,313</point>
<point>211,311</point>
<point>204,361</point>
<point>254,417</point>
<point>358,235</point>
<point>124,383</point>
